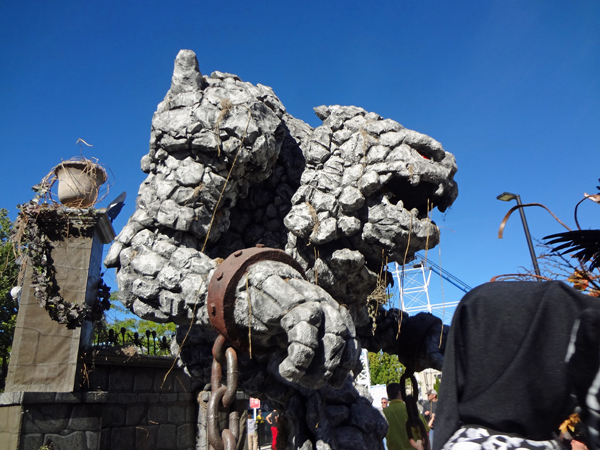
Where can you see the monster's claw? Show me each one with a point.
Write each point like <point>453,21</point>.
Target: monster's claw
<point>317,337</point>
<point>313,336</point>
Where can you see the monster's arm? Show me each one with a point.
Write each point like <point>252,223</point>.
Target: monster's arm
<point>310,337</point>
<point>315,336</point>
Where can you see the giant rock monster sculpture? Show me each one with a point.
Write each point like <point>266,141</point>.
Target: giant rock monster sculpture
<point>228,169</point>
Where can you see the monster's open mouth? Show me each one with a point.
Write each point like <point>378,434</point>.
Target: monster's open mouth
<point>419,196</point>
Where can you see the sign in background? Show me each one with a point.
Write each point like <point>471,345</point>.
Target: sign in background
<point>254,403</point>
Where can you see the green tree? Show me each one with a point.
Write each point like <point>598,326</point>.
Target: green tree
<point>437,384</point>
<point>9,271</point>
<point>385,368</point>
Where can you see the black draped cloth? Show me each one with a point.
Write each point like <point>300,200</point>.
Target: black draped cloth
<point>504,366</point>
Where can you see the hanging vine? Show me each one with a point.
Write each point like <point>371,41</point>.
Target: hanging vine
<point>35,224</point>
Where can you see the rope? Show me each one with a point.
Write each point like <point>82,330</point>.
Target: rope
<point>226,181</point>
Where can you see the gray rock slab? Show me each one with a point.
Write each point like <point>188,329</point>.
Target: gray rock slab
<point>186,436</point>
<point>46,418</point>
<point>148,263</point>
<point>123,437</point>
<point>304,334</point>
<point>85,418</point>
<point>146,437</point>
<point>136,415</point>
<point>168,398</point>
<point>143,382</point>
<point>114,416</point>
<point>127,398</point>
<point>31,441</point>
<point>167,436</point>
<point>326,231</point>
<point>92,439</point>
<point>307,312</point>
<point>121,380</point>
<point>157,414</point>
<point>176,414</point>
<point>75,440</point>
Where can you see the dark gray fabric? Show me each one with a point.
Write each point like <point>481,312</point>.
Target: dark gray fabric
<point>583,366</point>
<point>504,365</point>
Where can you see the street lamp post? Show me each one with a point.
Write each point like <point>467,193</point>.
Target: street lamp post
<point>507,197</point>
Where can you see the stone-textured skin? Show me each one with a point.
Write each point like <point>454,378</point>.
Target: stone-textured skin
<point>229,168</point>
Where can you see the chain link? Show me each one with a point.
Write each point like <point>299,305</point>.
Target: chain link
<point>223,397</point>
<point>414,417</point>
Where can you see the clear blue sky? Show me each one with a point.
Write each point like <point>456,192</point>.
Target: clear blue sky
<point>511,88</point>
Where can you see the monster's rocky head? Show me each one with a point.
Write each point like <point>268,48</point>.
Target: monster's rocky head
<point>366,195</point>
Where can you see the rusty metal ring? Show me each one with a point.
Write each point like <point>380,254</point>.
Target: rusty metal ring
<point>217,363</point>
<point>214,437</point>
<point>223,284</point>
<point>232,377</point>
<point>229,440</point>
<point>218,350</point>
<point>215,375</point>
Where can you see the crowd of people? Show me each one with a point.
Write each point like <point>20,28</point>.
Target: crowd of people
<point>262,429</point>
<point>395,411</point>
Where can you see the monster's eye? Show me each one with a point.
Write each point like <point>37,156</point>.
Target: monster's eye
<point>429,153</point>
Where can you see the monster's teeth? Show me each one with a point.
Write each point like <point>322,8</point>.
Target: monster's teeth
<point>400,205</point>
<point>385,177</point>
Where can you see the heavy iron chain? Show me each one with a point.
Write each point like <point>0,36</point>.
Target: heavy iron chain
<point>414,418</point>
<point>221,300</point>
<point>223,397</point>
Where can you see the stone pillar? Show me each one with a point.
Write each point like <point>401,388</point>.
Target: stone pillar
<point>10,427</point>
<point>44,353</point>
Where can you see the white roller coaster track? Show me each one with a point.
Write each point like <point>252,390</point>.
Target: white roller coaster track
<point>413,285</point>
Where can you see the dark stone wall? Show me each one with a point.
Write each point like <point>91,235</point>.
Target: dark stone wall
<point>125,403</point>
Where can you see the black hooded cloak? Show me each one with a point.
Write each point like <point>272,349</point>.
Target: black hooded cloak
<point>504,366</point>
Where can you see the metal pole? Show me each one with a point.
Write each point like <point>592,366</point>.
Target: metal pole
<point>536,268</point>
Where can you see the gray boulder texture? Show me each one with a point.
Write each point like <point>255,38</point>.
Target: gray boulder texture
<point>229,168</point>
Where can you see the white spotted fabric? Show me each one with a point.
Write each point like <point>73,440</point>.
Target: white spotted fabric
<point>471,438</point>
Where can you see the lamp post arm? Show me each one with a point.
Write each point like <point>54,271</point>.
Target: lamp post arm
<point>536,267</point>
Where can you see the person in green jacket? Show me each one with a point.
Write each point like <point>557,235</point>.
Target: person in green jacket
<point>396,415</point>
